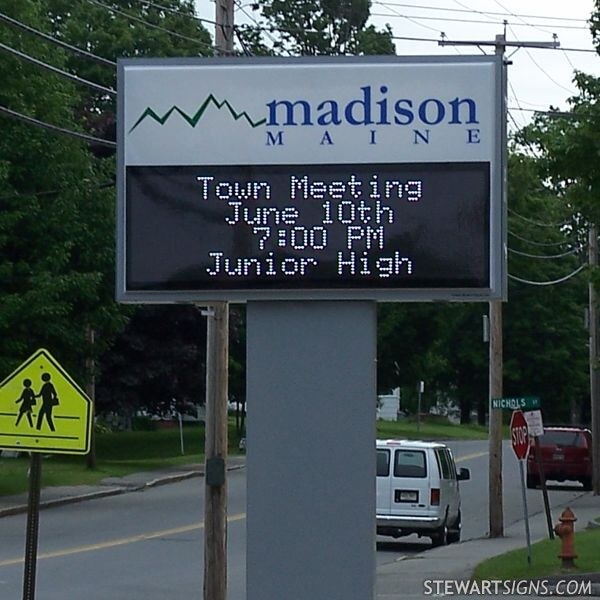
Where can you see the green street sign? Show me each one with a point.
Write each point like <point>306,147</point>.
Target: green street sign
<point>517,403</point>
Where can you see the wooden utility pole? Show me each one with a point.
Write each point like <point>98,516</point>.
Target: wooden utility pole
<point>224,27</point>
<point>495,507</point>
<point>496,510</point>
<point>594,387</point>
<point>215,503</point>
<point>495,500</point>
<point>217,376</point>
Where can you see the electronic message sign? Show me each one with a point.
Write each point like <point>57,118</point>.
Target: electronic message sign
<point>377,179</point>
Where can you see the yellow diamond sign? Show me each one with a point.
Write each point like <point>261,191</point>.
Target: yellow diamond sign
<point>43,410</point>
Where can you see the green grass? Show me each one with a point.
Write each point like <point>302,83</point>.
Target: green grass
<point>431,428</point>
<point>117,454</point>
<point>544,559</point>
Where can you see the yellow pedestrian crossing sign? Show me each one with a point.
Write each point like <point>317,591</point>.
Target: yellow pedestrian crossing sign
<point>43,410</point>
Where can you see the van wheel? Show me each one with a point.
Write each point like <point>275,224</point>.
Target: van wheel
<point>587,484</point>
<point>454,533</point>
<point>441,537</point>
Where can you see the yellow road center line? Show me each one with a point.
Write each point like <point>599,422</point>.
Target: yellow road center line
<point>471,456</point>
<point>157,534</point>
<point>142,537</point>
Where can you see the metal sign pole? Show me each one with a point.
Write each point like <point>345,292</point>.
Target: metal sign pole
<point>33,519</point>
<point>527,533</point>
<point>538,458</point>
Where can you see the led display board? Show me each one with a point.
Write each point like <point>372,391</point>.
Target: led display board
<point>378,178</point>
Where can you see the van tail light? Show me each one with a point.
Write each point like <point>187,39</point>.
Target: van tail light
<point>435,497</point>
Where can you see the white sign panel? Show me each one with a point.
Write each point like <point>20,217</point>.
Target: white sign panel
<point>535,424</point>
<point>355,178</point>
<point>320,112</point>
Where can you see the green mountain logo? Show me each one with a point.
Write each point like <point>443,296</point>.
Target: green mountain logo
<point>195,118</point>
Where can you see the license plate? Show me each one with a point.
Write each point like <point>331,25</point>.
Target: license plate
<point>558,457</point>
<point>407,496</point>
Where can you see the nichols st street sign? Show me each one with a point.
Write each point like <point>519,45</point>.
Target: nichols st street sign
<point>517,403</point>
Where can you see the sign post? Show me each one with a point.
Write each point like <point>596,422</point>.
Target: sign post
<point>60,423</point>
<point>535,426</point>
<point>519,436</point>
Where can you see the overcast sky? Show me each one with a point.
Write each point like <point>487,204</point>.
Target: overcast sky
<point>537,78</point>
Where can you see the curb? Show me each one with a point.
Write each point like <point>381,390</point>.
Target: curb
<point>111,491</point>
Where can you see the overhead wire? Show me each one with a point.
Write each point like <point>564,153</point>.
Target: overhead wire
<point>408,18</point>
<point>414,18</point>
<point>174,11</point>
<point>98,186</point>
<point>56,70</point>
<point>470,10</point>
<point>545,256</point>
<point>538,223</point>
<point>151,25</point>
<point>90,139</point>
<point>15,23</point>
<point>533,243</point>
<point>570,91</point>
<point>543,30</point>
<point>253,18</point>
<point>553,282</point>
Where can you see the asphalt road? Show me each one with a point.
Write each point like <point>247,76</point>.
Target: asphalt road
<point>149,545</point>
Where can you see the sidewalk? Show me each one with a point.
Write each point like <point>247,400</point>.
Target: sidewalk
<point>111,486</point>
<point>404,580</point>
<point>400,580</point>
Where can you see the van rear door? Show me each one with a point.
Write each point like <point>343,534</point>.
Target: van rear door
<point>449,494</point>
<point>383,481</point>
<point>409,494</point>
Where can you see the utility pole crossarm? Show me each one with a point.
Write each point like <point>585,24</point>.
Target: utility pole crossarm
<point>551,45</point>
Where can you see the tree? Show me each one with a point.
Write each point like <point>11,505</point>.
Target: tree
<point>545,351</point>
<point>56,211</point>
<point>316,27</point>
<point>156,364</point>
<point>57,219</point>
<point>123,28</point>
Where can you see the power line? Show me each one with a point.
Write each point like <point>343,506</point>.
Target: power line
<point>437,41</point>
<point>541,244</point>
<point>408,18</point>
<point>538,223</point>
<point>90,139</point>
<point>471,10</point>
<point>56,70</point>
<point>174,11</point>
<point>561,255</point>
<point>529,24</point>
<point>253,18</point>
<point>148,24</point>
<point>554,282</point>
<point>99,186</point>
<point>56,41</point>
<point>570,91</point>
<point>416,18</point>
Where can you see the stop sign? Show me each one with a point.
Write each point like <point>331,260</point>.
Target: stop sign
<point>519,434</point>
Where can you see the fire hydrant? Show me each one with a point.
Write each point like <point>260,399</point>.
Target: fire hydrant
<point>565,530</point>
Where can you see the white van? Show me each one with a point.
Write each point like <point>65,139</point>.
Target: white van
<point>418,490</point>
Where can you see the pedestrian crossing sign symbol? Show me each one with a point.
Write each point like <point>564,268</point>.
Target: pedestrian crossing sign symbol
<point>43,410</point>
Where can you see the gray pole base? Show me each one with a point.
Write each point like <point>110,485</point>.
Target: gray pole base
<point>311,400</point>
